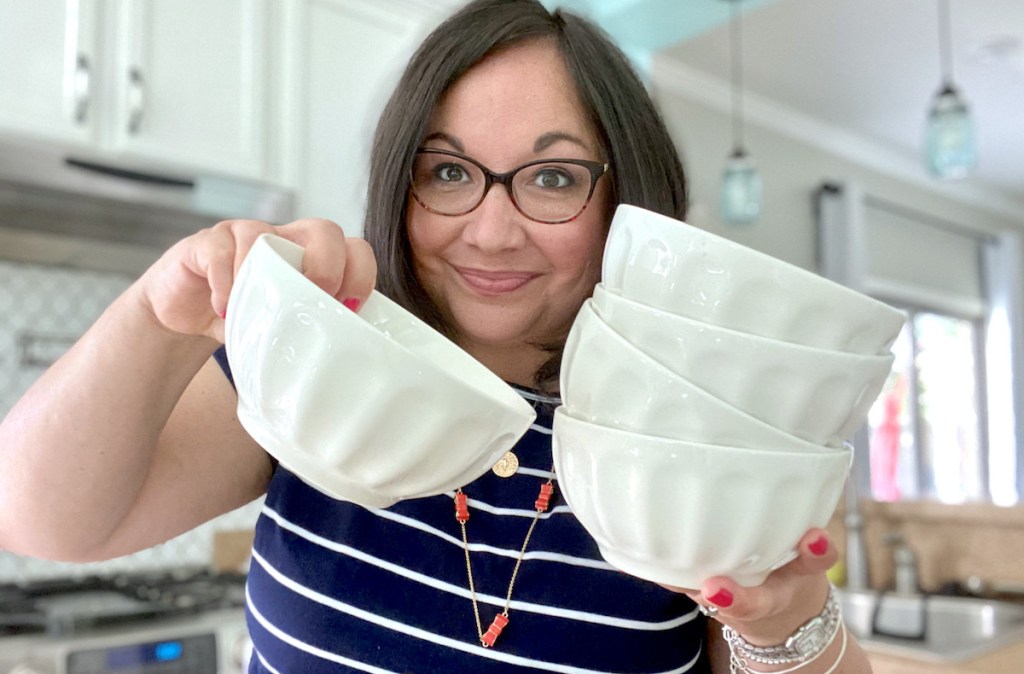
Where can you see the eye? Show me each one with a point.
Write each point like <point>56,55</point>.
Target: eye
<point>450,173</point>
<point>553,177</point>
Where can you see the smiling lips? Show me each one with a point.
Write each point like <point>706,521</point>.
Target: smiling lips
<point>495,282</point>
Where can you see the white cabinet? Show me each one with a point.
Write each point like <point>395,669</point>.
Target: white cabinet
<point>345,58</point>
<point>47,67</point>
<point>180,82</point>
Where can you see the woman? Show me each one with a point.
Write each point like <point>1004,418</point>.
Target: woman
<point>135,430</point>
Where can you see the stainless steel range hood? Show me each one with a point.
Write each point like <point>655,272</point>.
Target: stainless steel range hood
<point>59,208</point>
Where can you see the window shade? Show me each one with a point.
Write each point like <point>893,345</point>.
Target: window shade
<point>908,258</point>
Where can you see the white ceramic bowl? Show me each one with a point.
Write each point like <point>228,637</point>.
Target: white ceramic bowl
<point>679,513</point>
<point>609,381</point>
<point>668,264</point>
<point>372,407</point>
<point>819,395</point>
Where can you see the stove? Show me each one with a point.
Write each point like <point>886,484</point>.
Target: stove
<point>169,622</point>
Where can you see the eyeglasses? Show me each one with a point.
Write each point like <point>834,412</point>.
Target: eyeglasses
<point>551,191</point>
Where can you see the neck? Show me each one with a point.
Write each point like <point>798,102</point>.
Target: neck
<point>515,364</point>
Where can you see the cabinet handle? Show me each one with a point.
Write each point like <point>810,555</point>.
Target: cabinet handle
<point>80,91</point>
<point>136,100</point>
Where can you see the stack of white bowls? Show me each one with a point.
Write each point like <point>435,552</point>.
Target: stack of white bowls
<point>708,391</point>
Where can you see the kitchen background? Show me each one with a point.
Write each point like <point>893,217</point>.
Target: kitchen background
<point>268,100</point>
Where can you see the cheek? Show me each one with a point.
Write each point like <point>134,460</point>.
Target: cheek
<point>589,248</point>
<point>424,240</point>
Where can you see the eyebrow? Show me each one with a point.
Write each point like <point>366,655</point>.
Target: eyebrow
<point>448,138</point>
<point>545,141</point>
<point>552,137</point>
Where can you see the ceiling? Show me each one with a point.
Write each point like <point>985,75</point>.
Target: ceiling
<point>865,68</point>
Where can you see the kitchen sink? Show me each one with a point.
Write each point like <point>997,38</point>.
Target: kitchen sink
<point>931,627</point>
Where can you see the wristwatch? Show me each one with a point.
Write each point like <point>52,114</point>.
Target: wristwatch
<point>808,641</point>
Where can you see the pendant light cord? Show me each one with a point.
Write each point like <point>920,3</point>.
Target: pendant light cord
<point>736,56</point>
<point>944,44</point>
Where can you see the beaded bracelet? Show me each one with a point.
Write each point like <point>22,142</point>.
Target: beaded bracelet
<point>736,667</point>
<point>809,640</point>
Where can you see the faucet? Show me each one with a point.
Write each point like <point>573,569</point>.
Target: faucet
<point>904,563</point>
<point>856,551</point>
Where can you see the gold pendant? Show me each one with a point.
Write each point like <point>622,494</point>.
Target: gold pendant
<point>507,465</point>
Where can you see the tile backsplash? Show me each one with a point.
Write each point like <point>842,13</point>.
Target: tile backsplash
<point>43,310</point>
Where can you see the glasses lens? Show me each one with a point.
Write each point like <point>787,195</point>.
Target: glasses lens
<point>446,184</point>
<point>552,191</point>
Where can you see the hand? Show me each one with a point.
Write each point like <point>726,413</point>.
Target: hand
<point>769,613</point>
<point>187,289</point>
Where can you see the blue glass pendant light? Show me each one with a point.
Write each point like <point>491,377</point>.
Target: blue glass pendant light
<point>741,189</point>
<point>950,143</point>
<point>740,192</point>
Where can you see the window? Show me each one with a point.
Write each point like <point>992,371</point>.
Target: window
<point>945,426</point>
<point>925,430</point>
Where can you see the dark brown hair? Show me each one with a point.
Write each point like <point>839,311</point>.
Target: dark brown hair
<point>645,169</point>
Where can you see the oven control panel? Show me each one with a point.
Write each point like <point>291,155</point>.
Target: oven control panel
<point>188,655</point>
<point>212,642</point>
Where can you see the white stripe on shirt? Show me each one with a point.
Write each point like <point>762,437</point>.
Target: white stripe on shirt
<point>417,632</point>
<point>437,584</point>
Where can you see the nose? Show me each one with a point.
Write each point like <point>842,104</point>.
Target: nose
<point>495,224</point>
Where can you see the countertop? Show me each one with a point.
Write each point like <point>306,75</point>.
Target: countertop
<point>1008,660</point>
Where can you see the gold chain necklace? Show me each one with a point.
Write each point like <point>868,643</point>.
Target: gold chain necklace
<point>488,638</point>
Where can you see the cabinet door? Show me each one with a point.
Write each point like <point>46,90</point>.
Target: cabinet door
<point>347,56</point>
<point>49,68</point>
<point>189,83</point>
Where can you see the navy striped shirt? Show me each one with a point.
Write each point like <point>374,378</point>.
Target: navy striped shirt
<point>335,587</point>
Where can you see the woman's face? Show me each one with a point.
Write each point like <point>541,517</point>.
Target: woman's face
<point>505,282</point>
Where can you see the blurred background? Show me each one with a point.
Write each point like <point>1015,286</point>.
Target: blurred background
<point>881,145</point>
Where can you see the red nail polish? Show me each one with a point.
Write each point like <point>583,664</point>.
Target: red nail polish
<point>721,599</point>
<point>819,547</point>
<point>224,315</point>
<point>351,303</point>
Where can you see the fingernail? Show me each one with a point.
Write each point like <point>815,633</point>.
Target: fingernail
<point>224,315</point>
<point>721,599</point>
<point>819,547</point>
<point>351,303</point>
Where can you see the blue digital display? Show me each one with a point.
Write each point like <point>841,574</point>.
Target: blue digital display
<point>133,656</point>
<point>167,651</point>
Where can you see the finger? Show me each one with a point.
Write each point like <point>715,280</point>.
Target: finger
<point>360,274</point>
<point>735,601</point>
<point>771,610</point>
<point>325,254</point>
<point>212,257</point>
<point>230,244</point>
<point>244,234</point>
<point>816,553</point>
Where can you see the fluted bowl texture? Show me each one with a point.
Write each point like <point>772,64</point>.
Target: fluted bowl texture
<point>670,265</point>
<point>678,513</point>
<point>609,381</point>
<point>820,395</point>
<point>370,407</point>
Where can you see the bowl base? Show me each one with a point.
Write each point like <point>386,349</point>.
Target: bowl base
<point>690,579</point>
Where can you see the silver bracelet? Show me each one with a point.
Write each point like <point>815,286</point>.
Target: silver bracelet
<point>810,639</point>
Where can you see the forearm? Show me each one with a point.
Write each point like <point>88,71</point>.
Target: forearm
<point>75,450</point>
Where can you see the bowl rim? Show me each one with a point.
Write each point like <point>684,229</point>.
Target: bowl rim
<point>588,313</point>
<point>853,358</point>
<point>563,416</point>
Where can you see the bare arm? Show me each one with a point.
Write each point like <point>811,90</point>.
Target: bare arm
<point>131,437</point>
<point>91,440</point>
